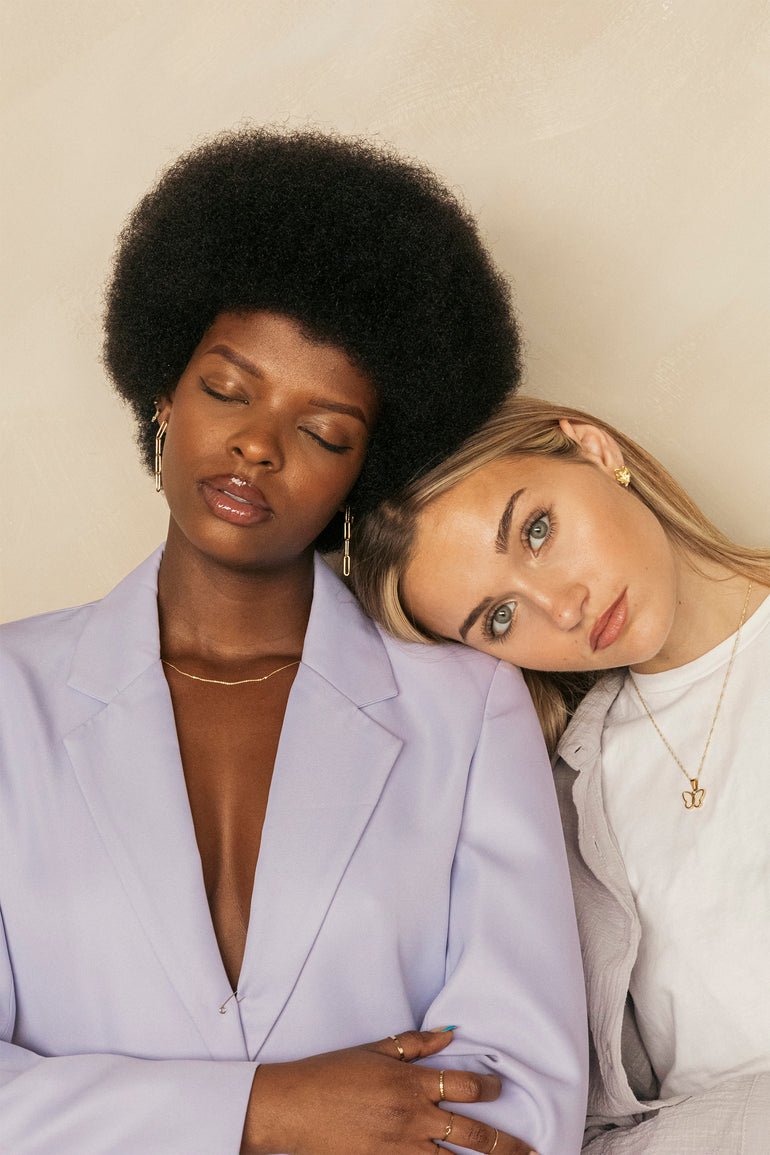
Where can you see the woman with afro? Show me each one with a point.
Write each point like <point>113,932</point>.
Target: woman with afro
<point>256,858</point>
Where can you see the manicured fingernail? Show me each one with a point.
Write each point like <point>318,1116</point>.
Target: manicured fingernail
<point>441,1030</point>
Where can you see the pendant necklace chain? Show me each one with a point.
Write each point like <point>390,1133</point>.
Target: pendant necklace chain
<point>219,682</point>
<point>693,798</point>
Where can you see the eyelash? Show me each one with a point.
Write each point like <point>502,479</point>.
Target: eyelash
<point>326,444</point>
<point>332,448</point>
<point>221,396</point>
<point>526,531</point>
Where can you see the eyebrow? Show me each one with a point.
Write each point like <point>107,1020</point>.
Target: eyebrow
<point>235,359</point>
<point>504,526</point>
<point>249,367</point>
<point>501,546</point>
<point>473,615</point>
<point>339,407</point>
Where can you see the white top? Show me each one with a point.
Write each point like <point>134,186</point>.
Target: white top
<point>700,877</point>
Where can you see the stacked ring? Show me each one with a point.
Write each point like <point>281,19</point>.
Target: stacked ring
<point>448,1131</point>
<point>441,1095</point>
<point>401,1055</point>
<point>497,1136</point>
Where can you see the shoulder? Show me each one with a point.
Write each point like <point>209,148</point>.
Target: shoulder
<point>341,637</point>
<point>41,652</point>
<point>449,663</point>
<point>448,685</point>
<point>40,643</point>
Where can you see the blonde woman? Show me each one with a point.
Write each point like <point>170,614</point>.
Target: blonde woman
<point>553,541</point>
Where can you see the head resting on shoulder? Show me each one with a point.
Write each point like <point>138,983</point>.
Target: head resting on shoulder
<point>385,542</point>
<point>365,250</point>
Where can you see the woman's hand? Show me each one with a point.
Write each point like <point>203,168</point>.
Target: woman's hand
<point>370,1100</point>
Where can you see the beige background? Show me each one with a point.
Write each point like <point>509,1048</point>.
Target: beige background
<point>615,154</point>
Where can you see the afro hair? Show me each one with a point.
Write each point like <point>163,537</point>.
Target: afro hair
<point>367,251</point>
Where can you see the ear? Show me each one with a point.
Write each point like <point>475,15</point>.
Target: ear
<point>598,446</point>
<point>163,407</point>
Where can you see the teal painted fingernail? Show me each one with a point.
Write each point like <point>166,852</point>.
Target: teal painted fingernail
<point>445,1029</point>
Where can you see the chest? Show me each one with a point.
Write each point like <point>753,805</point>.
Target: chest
<point>228,739</point>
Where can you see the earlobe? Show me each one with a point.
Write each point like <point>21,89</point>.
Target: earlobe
<point>162,409</point>
<point>597,445</point>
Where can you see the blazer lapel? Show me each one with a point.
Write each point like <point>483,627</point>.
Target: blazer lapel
<point>126,758</point>
<point>332,764</point>
<point>333,761</point>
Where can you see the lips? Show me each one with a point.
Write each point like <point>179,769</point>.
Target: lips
<point>608,627</point>
<point>235,500</point>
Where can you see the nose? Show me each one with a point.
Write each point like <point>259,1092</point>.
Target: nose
<point>257,440</point>
<point>563,603</point>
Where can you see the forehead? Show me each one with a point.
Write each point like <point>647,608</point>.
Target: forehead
<point>478,496</point>
<point>277,345</point>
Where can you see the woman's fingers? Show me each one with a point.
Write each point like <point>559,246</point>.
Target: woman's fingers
<point>410,1045</point>
<point>445,1085</point>
<point>478,1136</point>
<point>461,1086</point>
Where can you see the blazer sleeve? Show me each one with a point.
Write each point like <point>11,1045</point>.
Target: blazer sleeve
<point>514,981</point>
<point>89,1104</point>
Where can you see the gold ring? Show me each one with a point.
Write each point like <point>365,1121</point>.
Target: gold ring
<point>401,1055</point>
<point>448,1131</point>
<point>441,1095</point>
<point>497,1136</point>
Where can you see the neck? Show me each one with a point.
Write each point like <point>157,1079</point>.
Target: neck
<point>226,615</point>
<point>710,599</point>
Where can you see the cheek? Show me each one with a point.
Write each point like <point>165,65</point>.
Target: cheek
<point>337,477</point>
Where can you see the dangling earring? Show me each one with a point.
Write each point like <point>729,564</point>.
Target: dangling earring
<point>162,427</point>
<point>346,541</point>
<point>623,476</point>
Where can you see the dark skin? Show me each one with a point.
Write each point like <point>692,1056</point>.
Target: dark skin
<point>267,431</point>
<point>228,738</point>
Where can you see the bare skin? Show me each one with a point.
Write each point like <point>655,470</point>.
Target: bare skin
<point>234,601</point>
<point>228,735</point>
<point>390,1107</point>
<point>555,544</point>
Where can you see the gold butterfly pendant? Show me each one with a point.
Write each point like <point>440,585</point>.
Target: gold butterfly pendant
<point>693,799</point>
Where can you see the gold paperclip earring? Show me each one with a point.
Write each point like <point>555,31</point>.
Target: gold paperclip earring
<point>346,541</point>
<point>623,476</point>
<point>162,427</point>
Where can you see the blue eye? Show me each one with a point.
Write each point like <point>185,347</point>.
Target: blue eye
<point>538,532</point>
<point>501,620</point>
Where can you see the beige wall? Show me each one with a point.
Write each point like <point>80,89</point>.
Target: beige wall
<point>615,153</point>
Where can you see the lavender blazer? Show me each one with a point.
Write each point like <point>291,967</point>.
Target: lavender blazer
<point>411,872</point>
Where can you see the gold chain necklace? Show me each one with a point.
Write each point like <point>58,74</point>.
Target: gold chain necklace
<point>219,682</point>
<point>693,798</point>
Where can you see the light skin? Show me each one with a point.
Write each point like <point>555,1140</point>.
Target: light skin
<point>267,430</point>
<point>552,565</point>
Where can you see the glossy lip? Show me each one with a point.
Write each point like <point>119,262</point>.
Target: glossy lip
<point>608,627</point>
<point>235,500</point>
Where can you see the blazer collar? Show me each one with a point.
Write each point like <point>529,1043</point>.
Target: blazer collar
<point>332,763</point>
<point>343,645</point>
<point>121,639</point>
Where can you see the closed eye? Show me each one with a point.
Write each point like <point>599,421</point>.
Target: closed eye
<point>221,396</point>
<point>332,448</point>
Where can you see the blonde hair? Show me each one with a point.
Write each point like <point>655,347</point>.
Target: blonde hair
<point>527,426</point>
